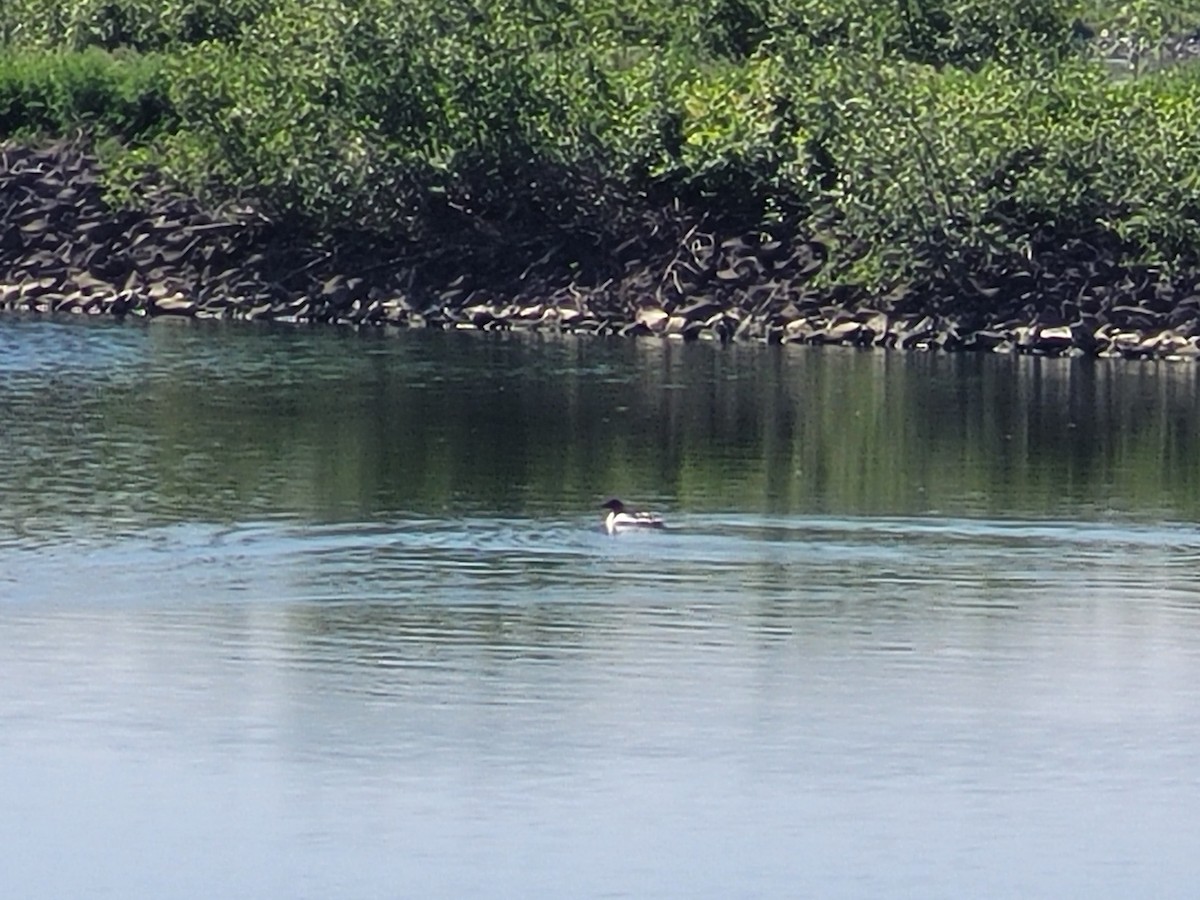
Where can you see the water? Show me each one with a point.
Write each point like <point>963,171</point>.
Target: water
<point>291,613</point>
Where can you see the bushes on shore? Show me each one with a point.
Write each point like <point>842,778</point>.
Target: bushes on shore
<point>918,140</point>
<point>141,25</point>
<point>57,91</point>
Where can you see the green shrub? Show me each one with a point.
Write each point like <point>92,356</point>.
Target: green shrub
<point>915,137</point>
<point>144,25</point>
<point>56,92</point>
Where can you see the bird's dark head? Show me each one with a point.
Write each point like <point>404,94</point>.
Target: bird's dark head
<point>615,505</point>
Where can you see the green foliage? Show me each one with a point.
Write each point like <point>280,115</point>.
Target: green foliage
<point>1150,20</point>
<point>935,32</point>
<point>734,128</point>
<point>1156,171</point>
<point>947,168</point>
<point>55,92</point>
<point>915,137</point>
<point>142,25</point>
<point>335,110</point>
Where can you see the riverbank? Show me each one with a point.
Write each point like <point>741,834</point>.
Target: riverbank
<point>949,176</point>
<point>66,251</point>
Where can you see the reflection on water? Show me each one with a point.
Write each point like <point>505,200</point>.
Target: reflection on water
<point>126,424</point>
<point>315,614</point>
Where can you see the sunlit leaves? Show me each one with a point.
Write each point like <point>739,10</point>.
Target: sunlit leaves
<point>134,24</point>
<point>49,91</point>
<point>907,134</point>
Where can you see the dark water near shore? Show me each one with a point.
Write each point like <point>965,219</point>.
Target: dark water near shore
<point>307,613</point>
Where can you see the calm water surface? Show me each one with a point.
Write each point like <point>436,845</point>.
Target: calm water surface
<point>312,614</point>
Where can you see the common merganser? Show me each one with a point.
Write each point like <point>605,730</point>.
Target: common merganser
<point>620,519</point>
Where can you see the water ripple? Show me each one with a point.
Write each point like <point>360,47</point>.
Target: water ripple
<point>488,560</point>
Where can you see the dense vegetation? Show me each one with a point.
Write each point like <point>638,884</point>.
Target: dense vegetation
<point>917,139</point>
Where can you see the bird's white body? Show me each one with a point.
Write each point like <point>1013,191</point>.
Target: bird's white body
<point>619,519</point>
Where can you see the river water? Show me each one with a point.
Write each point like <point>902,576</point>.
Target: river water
<point>291,613</point>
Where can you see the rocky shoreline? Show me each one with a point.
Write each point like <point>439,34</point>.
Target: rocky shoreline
<point>64,250</point>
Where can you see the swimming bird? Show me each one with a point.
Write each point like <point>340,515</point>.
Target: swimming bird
<point>621,519</point>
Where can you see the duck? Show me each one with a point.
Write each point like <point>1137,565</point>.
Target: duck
<point>620,519</point>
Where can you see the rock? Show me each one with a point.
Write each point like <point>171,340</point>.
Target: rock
<point>771,251</point>
<point>1165,343</point>
<point>674,326</point>
<point>730,276</point>
<point>652,319</point>
<point>846,331</point>
<point>721,327</point>
<point>798,331</point>
<point>809,258</point>
<point>1133,317</point>
<point>750,328</point>
<point>917,332</point>
<point>262,311</point>
<point>480,316</point>
<point>875,325</point>
<point>634,329</point>
<point>1129,343</point>
<point>62,249</point>
<point>1189,349</point>
<point>172,305</point>
<point>699,310</point>
<point>70,303</point>
<point>1052,340</point>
